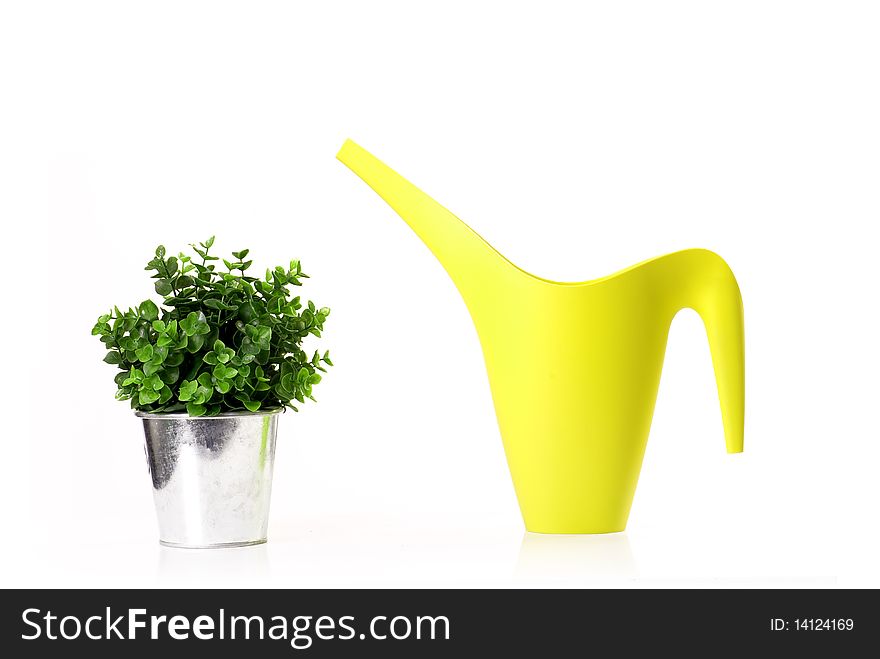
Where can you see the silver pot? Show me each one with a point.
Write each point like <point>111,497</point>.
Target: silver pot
<point>212,477</point>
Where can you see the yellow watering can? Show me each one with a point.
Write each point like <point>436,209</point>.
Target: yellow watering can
<point>574,367</point>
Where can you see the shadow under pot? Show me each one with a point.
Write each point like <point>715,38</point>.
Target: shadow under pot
<point>212,477</point>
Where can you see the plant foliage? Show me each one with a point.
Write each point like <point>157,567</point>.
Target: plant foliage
<point>219,342</point>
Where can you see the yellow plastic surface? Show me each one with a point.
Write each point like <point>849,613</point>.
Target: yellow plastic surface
<point>574,367</point>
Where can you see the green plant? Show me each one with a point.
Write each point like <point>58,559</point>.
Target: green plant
<point>220,342</point>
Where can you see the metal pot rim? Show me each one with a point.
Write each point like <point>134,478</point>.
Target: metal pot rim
<point>222,415</point>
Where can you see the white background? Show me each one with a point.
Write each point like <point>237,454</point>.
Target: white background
<point>578,139</point>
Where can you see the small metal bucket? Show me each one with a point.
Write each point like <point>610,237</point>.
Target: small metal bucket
<point>212,477</point>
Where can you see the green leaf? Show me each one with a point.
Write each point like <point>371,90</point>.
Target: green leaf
<point>251,405</point>
<point>113,357</point>
<point>203,395</point>
<point>174,359</point>
<point>159,354</point>
<point>148,310</point>
<point>145,354</point>
<point>220,372</point>
<point>135,376</point>
<point>160,252</point>
<point>209,242</point>
<point>163,287</point>
<point>147,396</point>
<point>195,342</point>
<point>165,394</point>
<point>169,375</point>
<point>248,347</point>
<point>187,390</point>
<point>190,324</point>
<point>214,303</point>
<point>153,382</point>
<point>195,409</point>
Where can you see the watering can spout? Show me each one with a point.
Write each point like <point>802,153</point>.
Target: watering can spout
<point>574,367</point>
<point>472,264</point>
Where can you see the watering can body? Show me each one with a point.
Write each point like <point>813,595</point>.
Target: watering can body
<point>574,368</point>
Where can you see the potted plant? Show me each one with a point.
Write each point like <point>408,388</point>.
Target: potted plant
<point>208,370</point>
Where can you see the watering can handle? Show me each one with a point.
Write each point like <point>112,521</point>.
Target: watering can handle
<point>701,280</point>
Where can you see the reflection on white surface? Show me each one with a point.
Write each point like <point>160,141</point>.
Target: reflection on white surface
<point>566,557</point>
<point>339,552</point>
<point>247,566</point>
